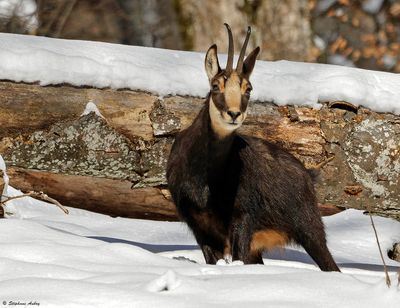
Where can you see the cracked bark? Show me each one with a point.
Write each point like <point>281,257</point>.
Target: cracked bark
<point>116,165</point>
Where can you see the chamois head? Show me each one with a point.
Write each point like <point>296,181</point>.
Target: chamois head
<point>230,88</point>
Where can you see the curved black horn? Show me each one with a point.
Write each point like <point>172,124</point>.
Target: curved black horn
<point>239,66</point>
<point>229,63</point>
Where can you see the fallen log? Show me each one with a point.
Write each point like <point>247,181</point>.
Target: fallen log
<point>106,196</point>
<point>115,163</point>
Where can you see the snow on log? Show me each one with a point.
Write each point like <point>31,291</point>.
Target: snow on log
<point>112,159</point>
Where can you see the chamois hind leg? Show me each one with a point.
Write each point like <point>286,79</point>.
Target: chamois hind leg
<point>315,245</point>
<point>241,251</point>
<point>255,257</point>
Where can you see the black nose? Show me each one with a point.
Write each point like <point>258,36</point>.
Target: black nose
<point>234,115</point>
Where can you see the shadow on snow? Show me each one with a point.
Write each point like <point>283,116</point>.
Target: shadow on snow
<point>286,254</point>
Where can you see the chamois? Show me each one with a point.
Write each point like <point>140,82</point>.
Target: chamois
<point>241,195</point>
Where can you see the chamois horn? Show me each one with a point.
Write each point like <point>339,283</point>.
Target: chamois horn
<point>239,66</point>
<point>229,63</point>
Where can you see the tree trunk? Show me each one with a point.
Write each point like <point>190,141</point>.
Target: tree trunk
<point>96,20</point>
<point>282,28</point>
<point>115,163</point>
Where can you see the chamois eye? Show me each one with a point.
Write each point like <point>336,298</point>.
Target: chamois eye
<point>215,88</point>
<point>248,90</point>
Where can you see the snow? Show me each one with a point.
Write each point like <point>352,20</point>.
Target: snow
<point>91,107</point>
<point>86,259</point>
<point>372,6</point>
<point>324,5</point>
<point>340,60</point>
<point>168,72</point>
<point>24,9</point>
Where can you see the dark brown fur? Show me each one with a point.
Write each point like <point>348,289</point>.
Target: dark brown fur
<point>233,188</point>
<point>243,194</point>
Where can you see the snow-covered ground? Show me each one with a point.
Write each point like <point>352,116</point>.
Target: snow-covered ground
<point>165,72</point>
<point>85,259</point>
<point>90,260</point>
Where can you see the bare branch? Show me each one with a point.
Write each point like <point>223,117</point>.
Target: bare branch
<point>37,195</point>
<point>388,282</point>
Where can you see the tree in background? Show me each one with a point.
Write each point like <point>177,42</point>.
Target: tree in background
<point>361,33</point>
<point>281,27</point>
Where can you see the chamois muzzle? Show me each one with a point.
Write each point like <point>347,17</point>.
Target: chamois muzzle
<point>234,115</point>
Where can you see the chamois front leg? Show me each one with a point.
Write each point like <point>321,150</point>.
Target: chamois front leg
<point>240,239</point>
<point>211,255</point>
<point>209,237</point>
<point>211,246</point>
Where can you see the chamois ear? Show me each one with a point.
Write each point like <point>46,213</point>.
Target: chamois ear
<point>211,62</point>
<point>249,63</point>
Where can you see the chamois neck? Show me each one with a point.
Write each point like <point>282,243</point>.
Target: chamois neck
<point>220,129</point>
<point>205,139</point>
<point>217,147</point>
<point>210,127</point>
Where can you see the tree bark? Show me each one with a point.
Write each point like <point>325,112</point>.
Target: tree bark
<point>115,163</point>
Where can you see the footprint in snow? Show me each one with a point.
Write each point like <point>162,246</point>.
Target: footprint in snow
<point>166,282</point>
